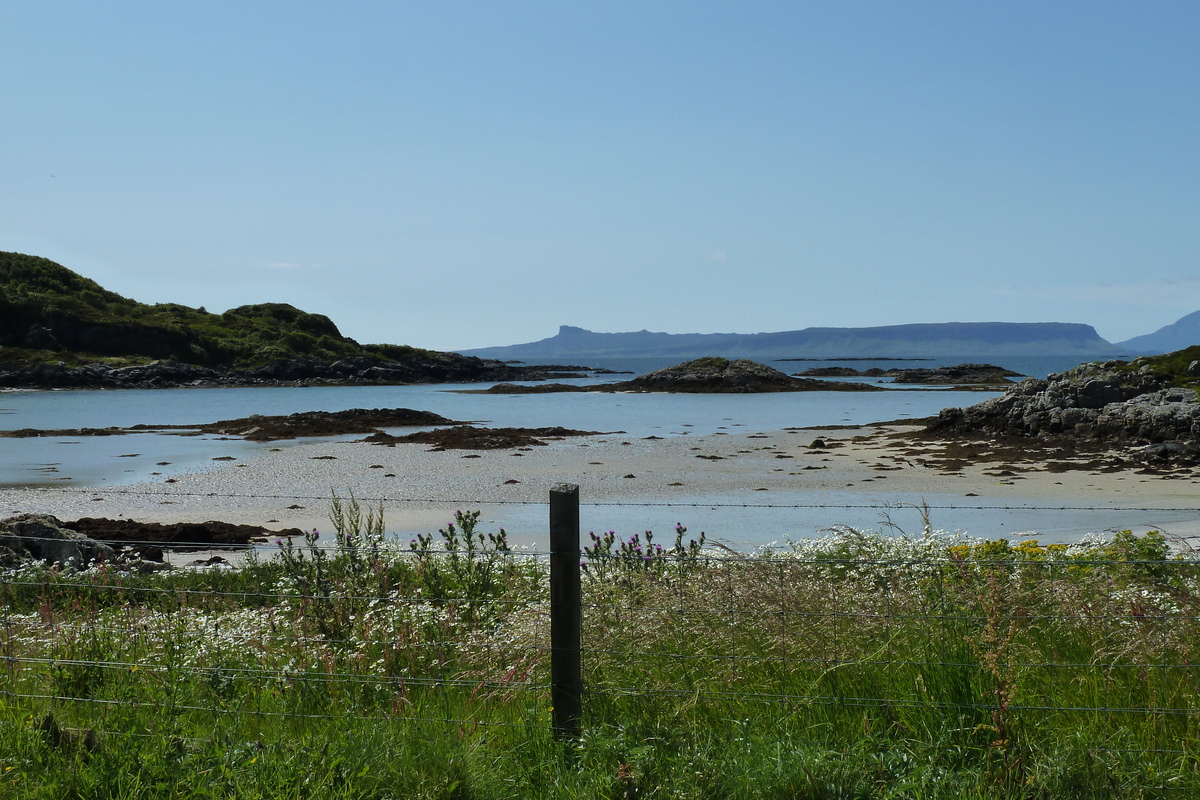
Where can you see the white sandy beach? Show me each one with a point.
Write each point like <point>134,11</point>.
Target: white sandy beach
<point>291,487</point>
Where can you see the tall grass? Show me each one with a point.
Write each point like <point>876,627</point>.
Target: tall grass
<point>858,665</point>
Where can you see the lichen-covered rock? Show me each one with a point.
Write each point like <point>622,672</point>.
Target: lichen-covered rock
<point>1105,404</point>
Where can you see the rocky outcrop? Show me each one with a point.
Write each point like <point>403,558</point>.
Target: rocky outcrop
<point>41,537</point>
<point>180,535</point>
<point>260,428</point>
<point>125,544</point>
<point>435,368</point>
<point>720,375</point>
<point>710,375</point>
<point>1102,405</point>
<point>465,437</point>
<point>542,388</point>
<point>958,375</point>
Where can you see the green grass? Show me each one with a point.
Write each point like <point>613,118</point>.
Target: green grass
<point>853,666</point>
<point>1171,367</point>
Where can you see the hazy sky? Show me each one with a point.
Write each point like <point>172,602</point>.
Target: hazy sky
<point>462,174</point>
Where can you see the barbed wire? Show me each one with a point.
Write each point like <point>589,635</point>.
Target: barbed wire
<point>629,656</point>
<point>884,702</point>
<point>675,565</point>
<point>341,716</point>
<point>281,674</point>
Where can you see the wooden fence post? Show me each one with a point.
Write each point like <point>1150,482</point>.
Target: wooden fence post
<point>566,612</point>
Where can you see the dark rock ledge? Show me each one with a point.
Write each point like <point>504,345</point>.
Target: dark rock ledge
<point>960,374</point>
<point>465,437</point>
<point>259,428</point>
<point>437,368</point>
<point>125,544</point>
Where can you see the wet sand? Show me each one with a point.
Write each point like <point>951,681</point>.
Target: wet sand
<point>291,487</point>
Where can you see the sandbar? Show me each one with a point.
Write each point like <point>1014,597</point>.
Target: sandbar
<point>747,487</point>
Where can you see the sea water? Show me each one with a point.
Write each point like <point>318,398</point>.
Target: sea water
<point>62,461</point>
<point>107,460</point>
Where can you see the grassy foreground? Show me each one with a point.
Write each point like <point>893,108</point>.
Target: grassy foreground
<point>853,666</point>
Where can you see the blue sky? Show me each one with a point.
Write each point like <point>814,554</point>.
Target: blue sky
<point>464,174</point>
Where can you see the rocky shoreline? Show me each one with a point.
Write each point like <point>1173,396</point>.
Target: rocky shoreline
<point>1136,407</point>
<point>432,368</point>
<point>129,545</point>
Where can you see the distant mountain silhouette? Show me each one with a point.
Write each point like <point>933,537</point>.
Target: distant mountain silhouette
<point>1182,333</point>
<point>888,341</point>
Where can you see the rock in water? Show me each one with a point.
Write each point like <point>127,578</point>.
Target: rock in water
<point>721,375</point>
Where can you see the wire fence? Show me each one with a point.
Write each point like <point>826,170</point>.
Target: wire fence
<point>1014,653</point>
<point>468,502</point>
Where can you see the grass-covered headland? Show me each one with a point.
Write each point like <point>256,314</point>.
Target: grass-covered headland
<point>50,313</point>
<point>61,329</point>
<point>857,665</point>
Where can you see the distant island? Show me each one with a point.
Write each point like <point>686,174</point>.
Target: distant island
<point>885,342</point>
<point>60,329</point>
<point>889,341</point>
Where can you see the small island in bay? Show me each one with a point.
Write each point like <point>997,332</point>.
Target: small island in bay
<point>709,375</point>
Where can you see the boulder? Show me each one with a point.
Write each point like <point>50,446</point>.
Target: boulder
<point>43,538</point>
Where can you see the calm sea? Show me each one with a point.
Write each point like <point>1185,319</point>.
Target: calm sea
<point>113,460</point>
<point>107,460</point>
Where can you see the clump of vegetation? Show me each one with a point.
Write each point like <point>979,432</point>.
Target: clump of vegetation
<point>608,558</point>
<point>1170,367</point>
<point>714,363</point>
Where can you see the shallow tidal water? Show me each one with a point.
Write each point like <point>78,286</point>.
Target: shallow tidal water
<point>112,461</point>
